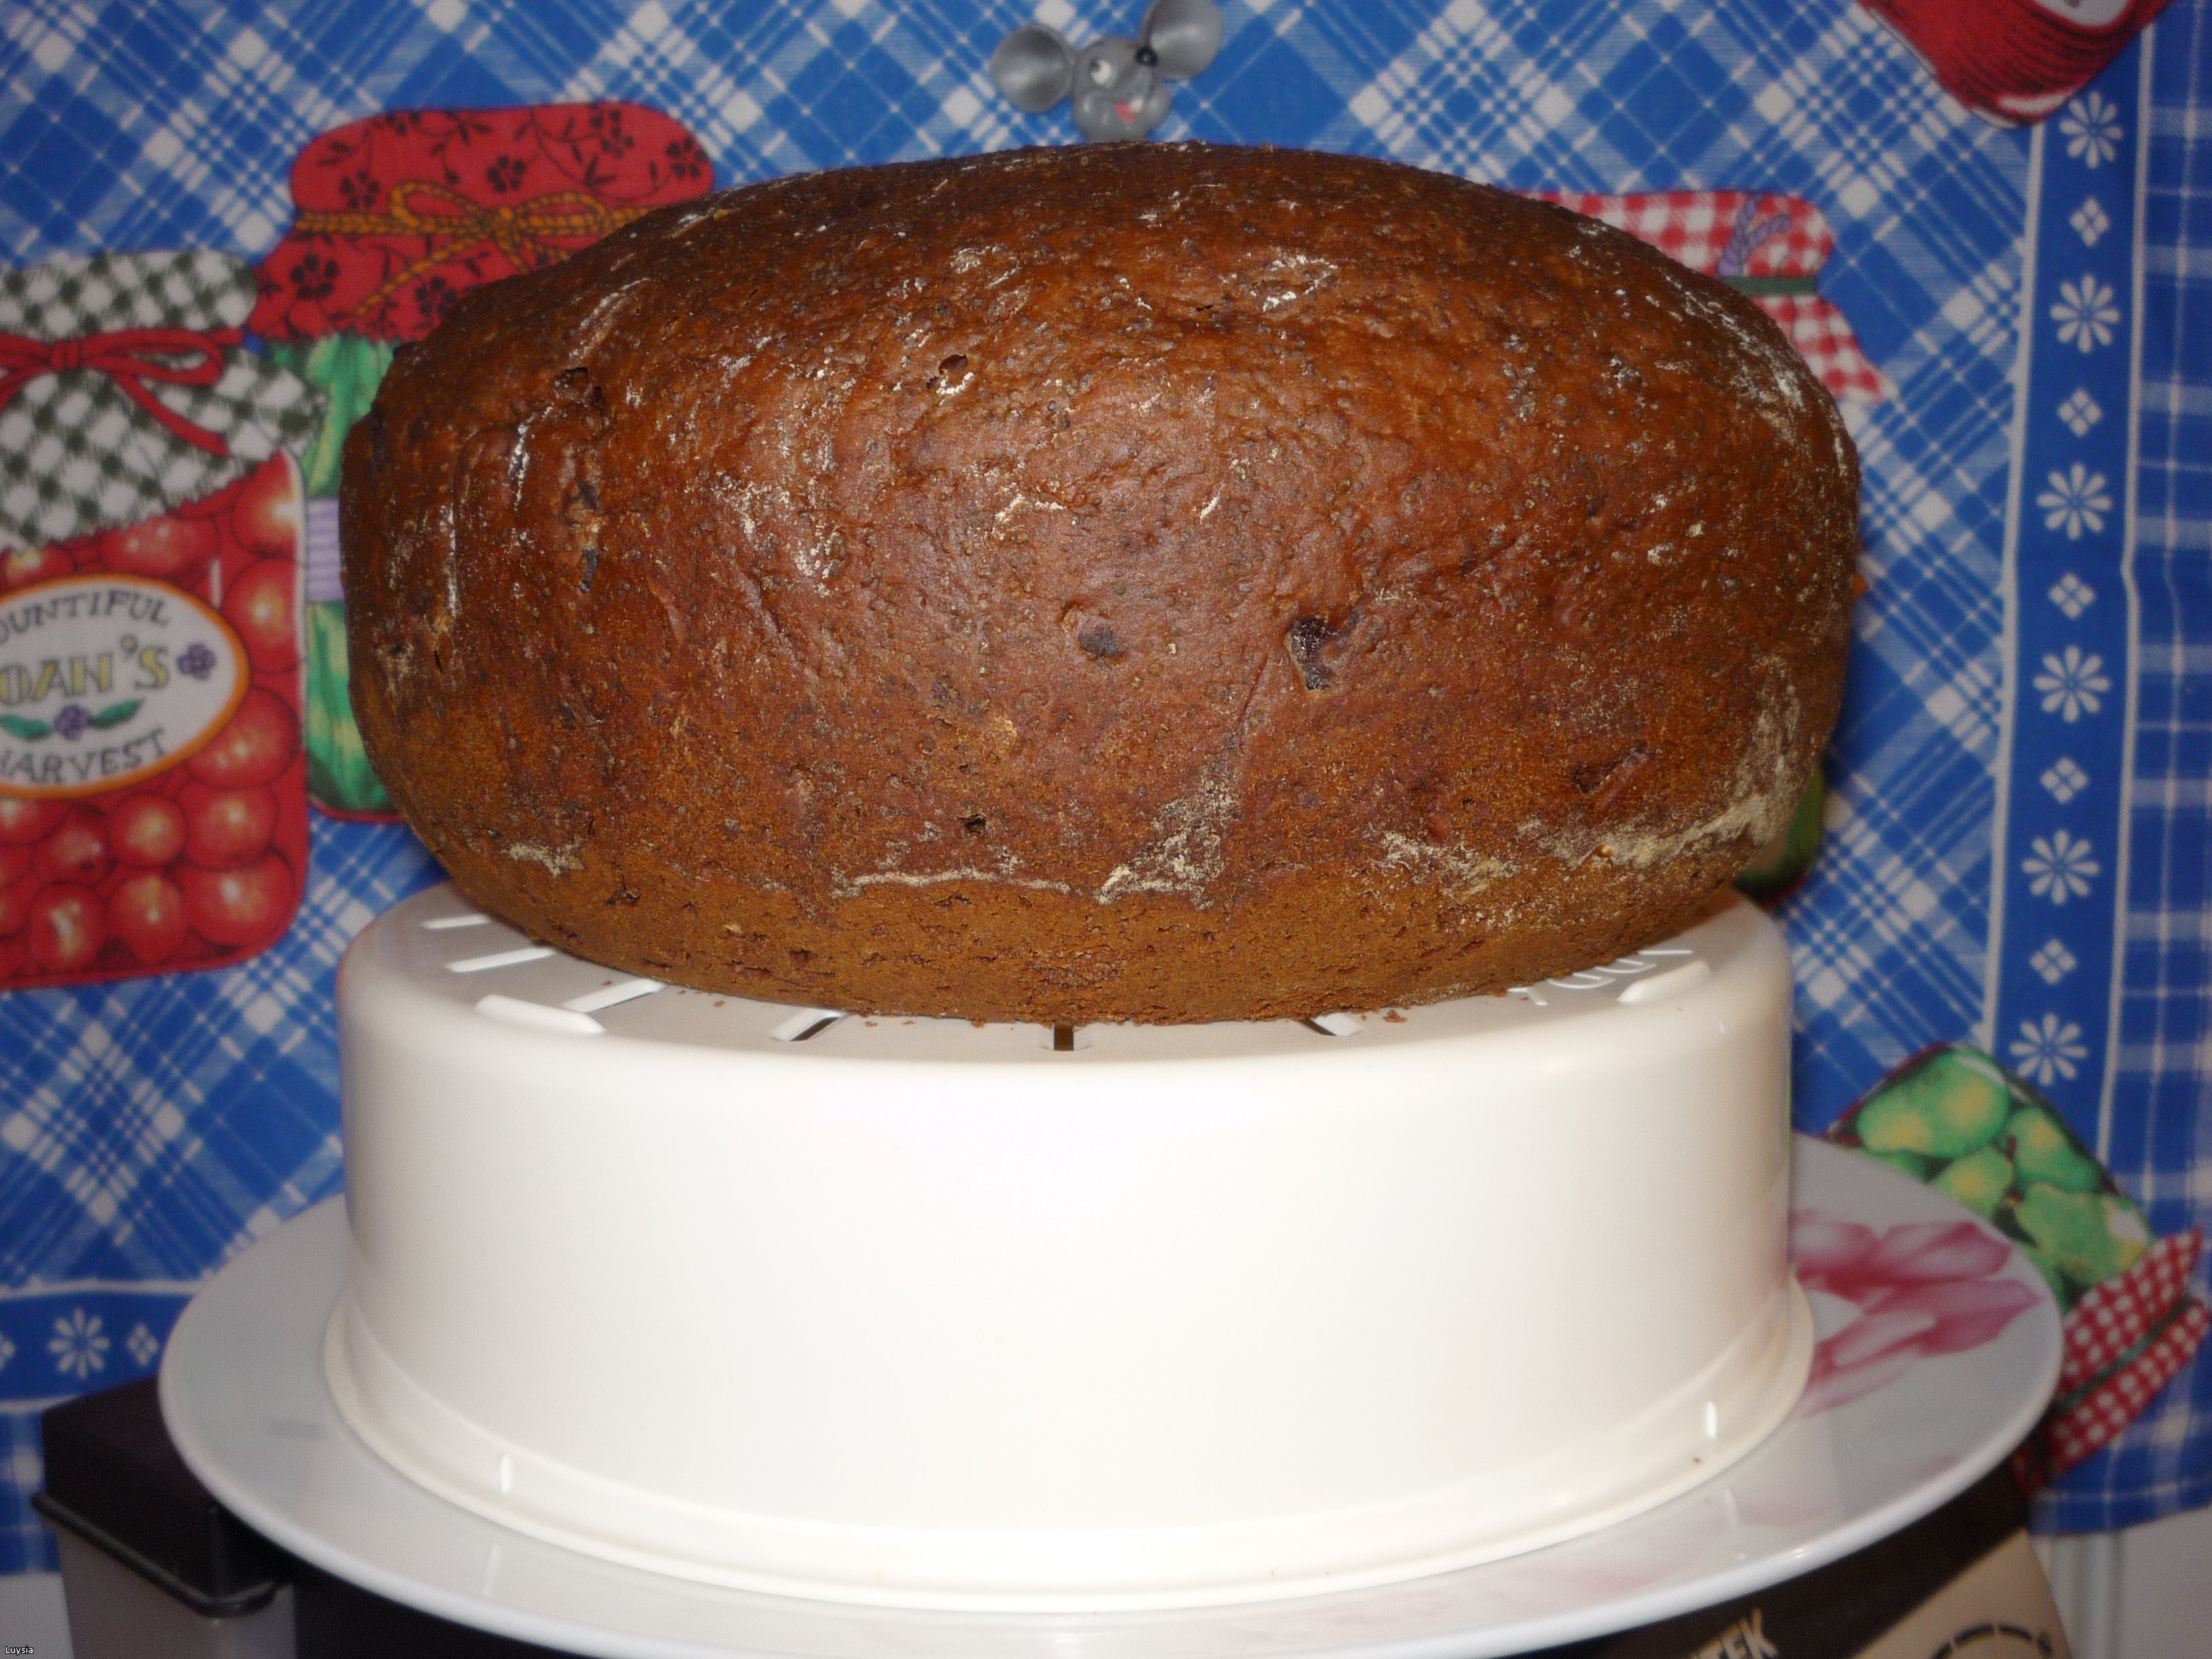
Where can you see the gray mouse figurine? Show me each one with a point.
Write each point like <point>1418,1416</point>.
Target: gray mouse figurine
<point>1115,84</point>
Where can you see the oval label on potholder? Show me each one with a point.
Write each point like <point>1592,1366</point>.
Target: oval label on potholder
<point>108,679</point>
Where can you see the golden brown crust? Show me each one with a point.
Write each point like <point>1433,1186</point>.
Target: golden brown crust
<point>1124,582</point>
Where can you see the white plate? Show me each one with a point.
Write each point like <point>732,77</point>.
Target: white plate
<point>243,1392</point>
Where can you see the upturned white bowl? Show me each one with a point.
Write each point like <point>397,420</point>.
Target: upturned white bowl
<point>928,1314</point>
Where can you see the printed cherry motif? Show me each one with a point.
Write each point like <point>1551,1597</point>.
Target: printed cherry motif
<point>146,911</point>
<point>67,927</point>
<point>15,898</point>
<point>260,605</point>
<point>22,822</point>
<point>20,567</point>
<point>146,831</point>
<point>226,827</point>
<point>255,748</point>
<point>167,548</point>
<point>266,514</point>
<point>78,849</point>
<point>245,906</point>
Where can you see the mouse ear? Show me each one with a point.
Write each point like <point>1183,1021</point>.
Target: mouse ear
<point>1183,34</point>
<point>1034,67</point>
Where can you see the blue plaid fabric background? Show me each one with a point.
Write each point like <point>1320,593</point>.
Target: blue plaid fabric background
<point>2017,842</point>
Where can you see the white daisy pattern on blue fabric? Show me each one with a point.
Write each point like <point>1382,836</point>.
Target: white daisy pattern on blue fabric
<point>2090,220</point>
<point>2086,313</point>
<point>78,1345</point>
<point>2048,1050</point>
<point>2061,866</point>
<point>2072,684</point>
<point>2091,128</point>
<point>2075,500</point>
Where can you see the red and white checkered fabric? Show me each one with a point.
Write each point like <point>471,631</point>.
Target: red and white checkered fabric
<point>1773,235</point>
<point>2115,1315</point>
<point>1826,342</point>
<point>1759,235</point>
<point>2118,1401</point>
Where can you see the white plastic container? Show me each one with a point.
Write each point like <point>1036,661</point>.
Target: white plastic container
<point>929,1314</point>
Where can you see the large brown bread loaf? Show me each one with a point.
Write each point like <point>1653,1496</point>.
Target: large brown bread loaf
<point>1127,582</point>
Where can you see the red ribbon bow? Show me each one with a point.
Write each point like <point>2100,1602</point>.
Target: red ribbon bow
<point>130,358</point>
